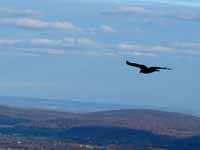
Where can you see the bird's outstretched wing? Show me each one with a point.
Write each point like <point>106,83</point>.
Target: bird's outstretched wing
<point>136,65</point>
<point>161,68</point>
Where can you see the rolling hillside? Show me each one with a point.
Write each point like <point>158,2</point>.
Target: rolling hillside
<point>119,129</point>
<point>163,123</point>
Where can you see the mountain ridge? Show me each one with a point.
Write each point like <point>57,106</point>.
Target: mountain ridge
<point>159,122</point>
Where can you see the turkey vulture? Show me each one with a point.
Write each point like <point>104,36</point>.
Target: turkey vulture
<point>144,69</point>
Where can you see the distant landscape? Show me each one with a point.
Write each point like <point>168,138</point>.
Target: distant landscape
<point>115,129</point>
<point>80,107</point>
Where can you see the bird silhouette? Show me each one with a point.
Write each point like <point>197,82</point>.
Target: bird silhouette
<point>144,69</point>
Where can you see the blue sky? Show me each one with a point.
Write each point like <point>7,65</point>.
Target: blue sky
<point>178,2</point>
<point>77,50</point>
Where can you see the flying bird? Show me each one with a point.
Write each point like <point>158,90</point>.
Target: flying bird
<point>144,69</point>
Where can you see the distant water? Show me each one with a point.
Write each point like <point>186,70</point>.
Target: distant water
<point>59,105</point>
<point>79,107</point>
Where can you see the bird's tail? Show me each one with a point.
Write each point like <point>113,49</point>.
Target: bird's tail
<point>127,62</point>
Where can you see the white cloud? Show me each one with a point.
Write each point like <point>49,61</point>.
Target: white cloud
<point>31,51</point>
<point>9,42</point>
<point>48,42</point>
<point>126,46</point>
<point>39,24</point>
<point>159,48</point>
<point>191,45</point>
<point>186,49</point>
<point>64,42</point>
<point>162,12</point>
<point>18,13</point>
<point>85,41</point>
<point>16,53</point>
<point>189,48</point>
<point>56,51</point>
<point>107,29</point>
<point>64,26</point>
<point>151,48</point>
<point>137,53</point>
<point>78,41</point>
<point>85,46</point>
<point>138,30</point>
<point>45,42</point>
<point>42,46</point>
